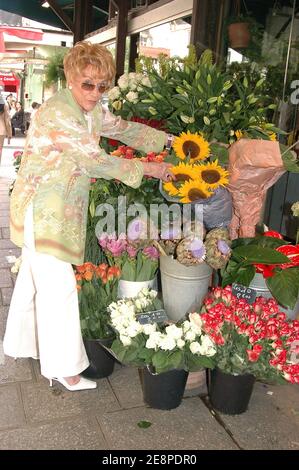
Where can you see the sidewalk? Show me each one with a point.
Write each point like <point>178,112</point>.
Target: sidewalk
<point>35,416</point>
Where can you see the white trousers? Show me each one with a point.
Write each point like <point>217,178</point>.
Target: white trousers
<point>43,319</point>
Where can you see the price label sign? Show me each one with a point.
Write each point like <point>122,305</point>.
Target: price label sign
<point>155,316</point>
<point>243,292</point>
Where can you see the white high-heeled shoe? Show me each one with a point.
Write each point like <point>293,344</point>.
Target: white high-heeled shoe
<point>83,384</point>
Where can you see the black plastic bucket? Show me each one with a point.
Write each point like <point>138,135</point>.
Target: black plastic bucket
<point>101,361</point>
<point>163,391</point>
<point>230,394</point>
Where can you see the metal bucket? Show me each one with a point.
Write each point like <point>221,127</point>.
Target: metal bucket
<point>183,287</point>
<point>258,283</point>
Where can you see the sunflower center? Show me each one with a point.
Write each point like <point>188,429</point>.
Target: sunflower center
<point>191,148</point>
<point>182,177</point>
<point>195,194</point>
<point>210,176</point>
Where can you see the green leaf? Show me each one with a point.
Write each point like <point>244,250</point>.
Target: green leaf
<point>144,424</point>
<point>260,255</point>
<point>284,286</point>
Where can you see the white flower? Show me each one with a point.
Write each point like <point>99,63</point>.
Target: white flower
<point>207,346</point>
<point>190,335</point>
<point>114,93</point>
<point>186,326</point>
<point>153,340</point>
<point>123,81</point>
<point>132,97</point>
<point>167,343</point>
<point>174,332</point>
<point>180,343</point>
<point>149,328</point>
<point>195,347</point>
<point>146,82</point>
<point>134,328</point>
<point>196,322</point>
<point>126,341</point>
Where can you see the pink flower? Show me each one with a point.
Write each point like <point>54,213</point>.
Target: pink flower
<point>132,251</point>
<point>151,252</point>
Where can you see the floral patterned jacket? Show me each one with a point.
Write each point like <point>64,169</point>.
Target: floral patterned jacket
<point>61,154</point>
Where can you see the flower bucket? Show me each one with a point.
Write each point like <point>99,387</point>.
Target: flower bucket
<point>230,394</point>
<point>101,362</point>
<point>132,288</point>
<point>163,391</point>
<point>183,287</point>
<point>258,283</point>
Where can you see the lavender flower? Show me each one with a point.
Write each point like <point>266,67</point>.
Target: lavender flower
<point>197,248</point>
<point>151,252</point>
<point>223,247</point>
<point>137,229</point>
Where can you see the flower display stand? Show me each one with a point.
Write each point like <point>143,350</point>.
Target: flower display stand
<point>259,285</point>
<point>230,394</point>
<point>163,391</point>
<point>101,362</point>
<point>183,287</point>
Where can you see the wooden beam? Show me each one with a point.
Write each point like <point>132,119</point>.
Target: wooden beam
<point>61,15</point>
<point>112,10</point>
<point>134,41</point>
<point>121,34</point>
<point>82,19</point>
<point>198,35</point>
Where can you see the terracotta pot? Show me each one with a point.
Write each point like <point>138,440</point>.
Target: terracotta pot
<point>239,35</point>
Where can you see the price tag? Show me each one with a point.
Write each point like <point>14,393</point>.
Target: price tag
<point>243,292</point>
<point>155,316</point>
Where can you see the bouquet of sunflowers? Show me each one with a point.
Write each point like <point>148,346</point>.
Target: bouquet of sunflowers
<point>198,173</point>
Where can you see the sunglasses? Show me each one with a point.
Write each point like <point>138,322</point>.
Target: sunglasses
<point>102,87</point>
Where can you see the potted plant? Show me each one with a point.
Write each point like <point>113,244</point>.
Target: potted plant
<point>136,257</point>
<point>97,288</point>
<point>268,264</point>
<point>252,341</point>
<point>165,352</point>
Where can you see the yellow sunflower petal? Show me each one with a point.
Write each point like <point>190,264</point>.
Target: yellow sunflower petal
<point>184,172</point>
<point>191,145</point>
<point>193,190</point>
<point>212,174</point>
<point>170,189</point>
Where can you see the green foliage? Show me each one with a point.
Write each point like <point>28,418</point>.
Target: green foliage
<point>54,69</point>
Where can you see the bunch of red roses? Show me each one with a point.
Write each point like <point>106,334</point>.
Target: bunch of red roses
<point>252,338</point>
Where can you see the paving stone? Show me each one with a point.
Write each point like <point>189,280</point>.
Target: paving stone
<point>4,212</point>
<point>5,278</point>
<point>5,232</point>
<point>3,311</point>
<point>190,426</point>
<point>264,425</point>
<point>4,222</point>
<point>12,414</point>
<point>42,402</point>
<point>126,386</point>
<point>15,371</point>
<point>76,434</point>
<point>6,295</point>
<point>6,243</point>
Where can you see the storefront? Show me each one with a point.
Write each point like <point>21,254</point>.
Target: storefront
<point>9,83</point>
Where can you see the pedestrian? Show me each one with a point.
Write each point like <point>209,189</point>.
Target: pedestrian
<point>48,211</point>
<point>5,126</point>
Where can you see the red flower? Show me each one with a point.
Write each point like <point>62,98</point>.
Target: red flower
<point>272,233</point>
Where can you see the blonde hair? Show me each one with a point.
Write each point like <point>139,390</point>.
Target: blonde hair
<point>86,53</point>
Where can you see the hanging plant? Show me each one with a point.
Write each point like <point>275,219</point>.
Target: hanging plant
<point>54,73</point>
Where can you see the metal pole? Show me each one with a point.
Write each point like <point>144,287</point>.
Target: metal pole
<point>289,52</point>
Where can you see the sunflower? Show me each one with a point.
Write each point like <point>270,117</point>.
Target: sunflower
<point>212,174</point>
<point>193,190</point>
<point>191,145</point>
<point>239,134</point>
<point>184,172</point>
<point>273,136</point>
<point>170,188</point>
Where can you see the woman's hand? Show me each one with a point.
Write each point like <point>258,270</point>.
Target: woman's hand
<point>161,171</point>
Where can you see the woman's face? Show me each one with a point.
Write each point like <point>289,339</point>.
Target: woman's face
<point>87,88</point>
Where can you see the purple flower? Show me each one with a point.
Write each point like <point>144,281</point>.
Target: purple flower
<point>223,247</point>
<point>116,246</point>
<point>171,233</point>
<point>197,248</point>
<point>137,229</point>
<point>103,240</point>
<point>151,252</point>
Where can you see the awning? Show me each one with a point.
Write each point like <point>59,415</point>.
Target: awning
<point>33,10</point>
<point>9,79</point>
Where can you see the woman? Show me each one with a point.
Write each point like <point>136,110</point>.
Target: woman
<point>5,127</point>
<point>49,210</point>
<point>18,119</point>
